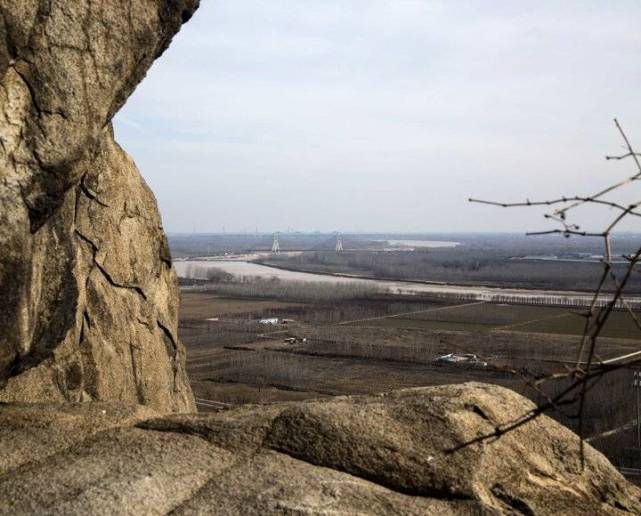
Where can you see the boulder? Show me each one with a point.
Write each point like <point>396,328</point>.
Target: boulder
<point>89,304</point>
<point>396,453</point>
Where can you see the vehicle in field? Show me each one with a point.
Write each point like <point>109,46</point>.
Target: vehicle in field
<point>269,320</point>
<point>461,359</point>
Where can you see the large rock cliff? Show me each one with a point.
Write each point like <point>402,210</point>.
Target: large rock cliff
<point>88,305</point>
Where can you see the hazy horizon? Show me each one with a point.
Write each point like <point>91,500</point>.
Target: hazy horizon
<point>286,232</point>
<point>348,116</point>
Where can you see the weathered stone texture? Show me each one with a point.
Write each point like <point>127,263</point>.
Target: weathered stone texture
<point>88,306</point>
<point>384,454</point>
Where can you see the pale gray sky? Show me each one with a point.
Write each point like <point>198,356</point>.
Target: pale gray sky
<point>383,114</point>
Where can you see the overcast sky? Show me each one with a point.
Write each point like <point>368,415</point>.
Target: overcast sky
<point>384,115</point>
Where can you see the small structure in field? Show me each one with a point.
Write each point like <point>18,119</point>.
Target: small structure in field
<point>269,320</point>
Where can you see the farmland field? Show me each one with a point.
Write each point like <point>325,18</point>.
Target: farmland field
<point>515,318</point>
<point>371,345</point>
<point>202,305</point>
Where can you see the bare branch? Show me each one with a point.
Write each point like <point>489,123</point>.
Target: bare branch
<point>589,367</point>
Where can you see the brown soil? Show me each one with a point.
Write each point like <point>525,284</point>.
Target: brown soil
<point>359,347</point>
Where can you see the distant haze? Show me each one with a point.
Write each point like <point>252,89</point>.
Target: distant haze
<point>378,115</point>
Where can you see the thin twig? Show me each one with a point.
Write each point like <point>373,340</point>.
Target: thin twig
<point>589,368</point>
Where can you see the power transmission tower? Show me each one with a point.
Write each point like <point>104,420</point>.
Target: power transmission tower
<point>275,244</point>
<point>339,243</point>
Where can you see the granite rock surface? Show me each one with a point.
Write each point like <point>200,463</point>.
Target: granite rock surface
<point>385,454</point>
<point>89,300</point>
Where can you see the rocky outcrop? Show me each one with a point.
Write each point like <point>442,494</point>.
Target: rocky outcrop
<point>88,306</point>
<point>387,454</point>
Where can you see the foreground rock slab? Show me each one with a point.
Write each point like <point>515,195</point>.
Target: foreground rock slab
<point>385,454</point>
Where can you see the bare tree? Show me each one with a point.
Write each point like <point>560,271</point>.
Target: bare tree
<point>589,367</point>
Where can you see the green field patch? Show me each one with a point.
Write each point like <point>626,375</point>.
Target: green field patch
<point>491,314</point>
<point>517,318</point>
<point>619,325</point>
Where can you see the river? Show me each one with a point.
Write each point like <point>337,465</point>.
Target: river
<point>241,266</point>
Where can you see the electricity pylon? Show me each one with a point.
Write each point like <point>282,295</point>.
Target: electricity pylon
<point>275,244</point>
<point>339,243</point>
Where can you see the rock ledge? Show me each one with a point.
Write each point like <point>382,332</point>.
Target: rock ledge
<point>381,454</point>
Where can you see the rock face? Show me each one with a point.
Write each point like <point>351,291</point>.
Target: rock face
<point>363,455</point>
<point>89,300</point>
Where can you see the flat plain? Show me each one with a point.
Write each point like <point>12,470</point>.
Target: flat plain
<point>374,345</point>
